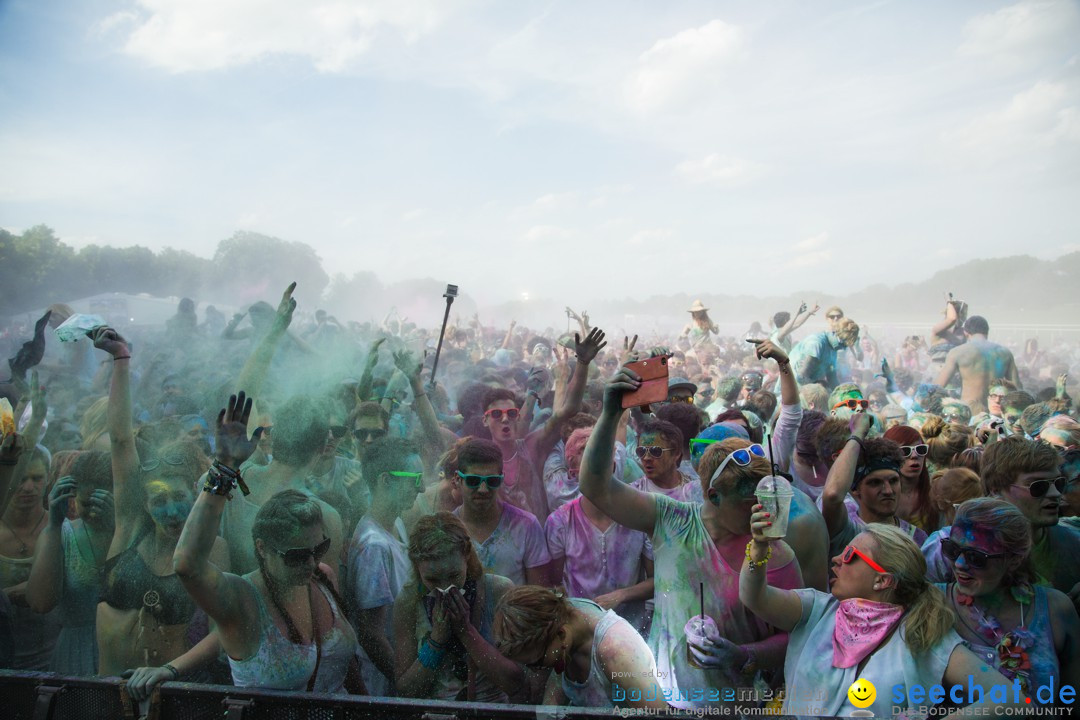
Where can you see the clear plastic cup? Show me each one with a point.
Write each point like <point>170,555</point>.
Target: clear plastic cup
<point>775,494</point>
<point>697,631</point>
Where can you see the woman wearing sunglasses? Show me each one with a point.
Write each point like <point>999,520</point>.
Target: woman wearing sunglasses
<point>1027,631</point>
<point>282,626</point>
<point>146,623</point>
<point>916,505</point>
<point>881,621</point>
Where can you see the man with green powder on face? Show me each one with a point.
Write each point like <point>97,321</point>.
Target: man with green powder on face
<point>978,361</point>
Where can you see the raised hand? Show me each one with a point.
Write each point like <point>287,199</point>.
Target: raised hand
<point>572,315</point>
<point>628,350</point>
<point>408,365</point>
<point>373,353</point>
<point>233,444</point>
<point>60,497</point>
<point>860,424</point>
<point>101,505</point>
<point>537,381</point>
<point>769,349</point>
<point>623,381</point>
<point>107,339</point>
<point>285,310</point>
<point>588,348</point>
<point>11,447</point>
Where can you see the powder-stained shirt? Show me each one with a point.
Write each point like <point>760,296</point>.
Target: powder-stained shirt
<point>517,543</point>
<point>815,688</point>
<point>378,568</point>
<point>597,562</point>
<point>684,558</point>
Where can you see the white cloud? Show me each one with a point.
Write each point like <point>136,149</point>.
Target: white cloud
<point>546,234</point>
<point>1022,32</point>
<point>1045,116</point>
<point>195,35</point>
<point>720,169</point>
<point>683,66</point>
<point>808,253</point>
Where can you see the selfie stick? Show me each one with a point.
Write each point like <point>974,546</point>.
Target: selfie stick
<point>450,294</point>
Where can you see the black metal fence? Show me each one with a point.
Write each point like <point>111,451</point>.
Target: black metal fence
<point>44,696</point>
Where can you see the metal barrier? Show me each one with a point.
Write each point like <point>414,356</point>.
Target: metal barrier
<point>45,696</point>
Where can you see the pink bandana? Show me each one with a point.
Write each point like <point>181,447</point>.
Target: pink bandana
<point>861,625</point>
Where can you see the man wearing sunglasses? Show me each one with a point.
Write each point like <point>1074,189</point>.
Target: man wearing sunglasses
<point>378,556</point>
<point>509,541</point>
<point>523,472</point>
<point>1029,475</point>
<point>979,362</point>
<point>659,452</point>
<point>870,470</point>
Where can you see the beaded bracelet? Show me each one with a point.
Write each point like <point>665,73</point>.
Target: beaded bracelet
<point>755,564</point>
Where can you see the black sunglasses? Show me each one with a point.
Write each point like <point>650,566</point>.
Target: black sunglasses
<point>295,557</point>
<point>338,431</point>
<point>1039,488</point>
<point>975,558</point>
<point>374,434</point>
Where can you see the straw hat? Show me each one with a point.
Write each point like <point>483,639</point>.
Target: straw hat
<point>697,307</point>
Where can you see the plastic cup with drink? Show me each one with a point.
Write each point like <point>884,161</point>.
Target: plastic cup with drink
<point>775,494</point>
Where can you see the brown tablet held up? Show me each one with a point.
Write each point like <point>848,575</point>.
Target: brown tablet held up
<point>654,382</point>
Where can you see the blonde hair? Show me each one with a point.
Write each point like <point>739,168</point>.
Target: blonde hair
<point>436,536</point>
<point>954,486</point>
<point>928,618</point>
<point>94,423</point>
<point>734,473</point>
<point>529,617</point>
<point>946,440</point>
<point>847,331</point>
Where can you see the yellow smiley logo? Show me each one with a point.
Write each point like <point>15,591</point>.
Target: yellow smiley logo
<point>862,693</point>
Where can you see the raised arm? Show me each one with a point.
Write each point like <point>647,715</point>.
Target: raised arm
<point>949,368</point>
<point>841,475</point>
<point>363,389</point>
<point>543,440</point>
<point>46,581</point>
<point>509,335</point>
<point>257,366</point>
<point>125,460</point>
<point>431,443</point>
<point>803,316</point>
<point>780,608</point>
<point>225,597</point>
<point>790,325</point>
<point>946,323</point>
<point>624,504</point>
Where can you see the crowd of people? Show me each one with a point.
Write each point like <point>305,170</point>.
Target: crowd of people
<point>288,502</point>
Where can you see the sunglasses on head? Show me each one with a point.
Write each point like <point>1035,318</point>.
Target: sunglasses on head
<point>973,557</point>
<point>294,557</point>
<point>497,414</point>
<point>916,450</point>
<point>373,433</point>
<point>338,431</point>
<point>852,404</point>
<point>850,552</point>
<point>418,478</point>
<point>740,457</point>
<point>1039,488</point>
<point>651,450</point>
<point>173,460</point>
<point>474,481</point>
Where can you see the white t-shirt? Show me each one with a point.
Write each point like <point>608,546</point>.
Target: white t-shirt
<point>516,543</point>
<point>378,567</point>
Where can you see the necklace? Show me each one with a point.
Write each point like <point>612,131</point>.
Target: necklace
<point>1010,656</point>
<point>24,547</point>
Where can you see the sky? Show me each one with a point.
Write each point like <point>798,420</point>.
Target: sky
<point>564,150</point>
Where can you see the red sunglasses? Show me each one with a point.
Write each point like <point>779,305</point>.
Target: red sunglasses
<point>851,551</point>
<point>852,404</point>
<point>497,414</point>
